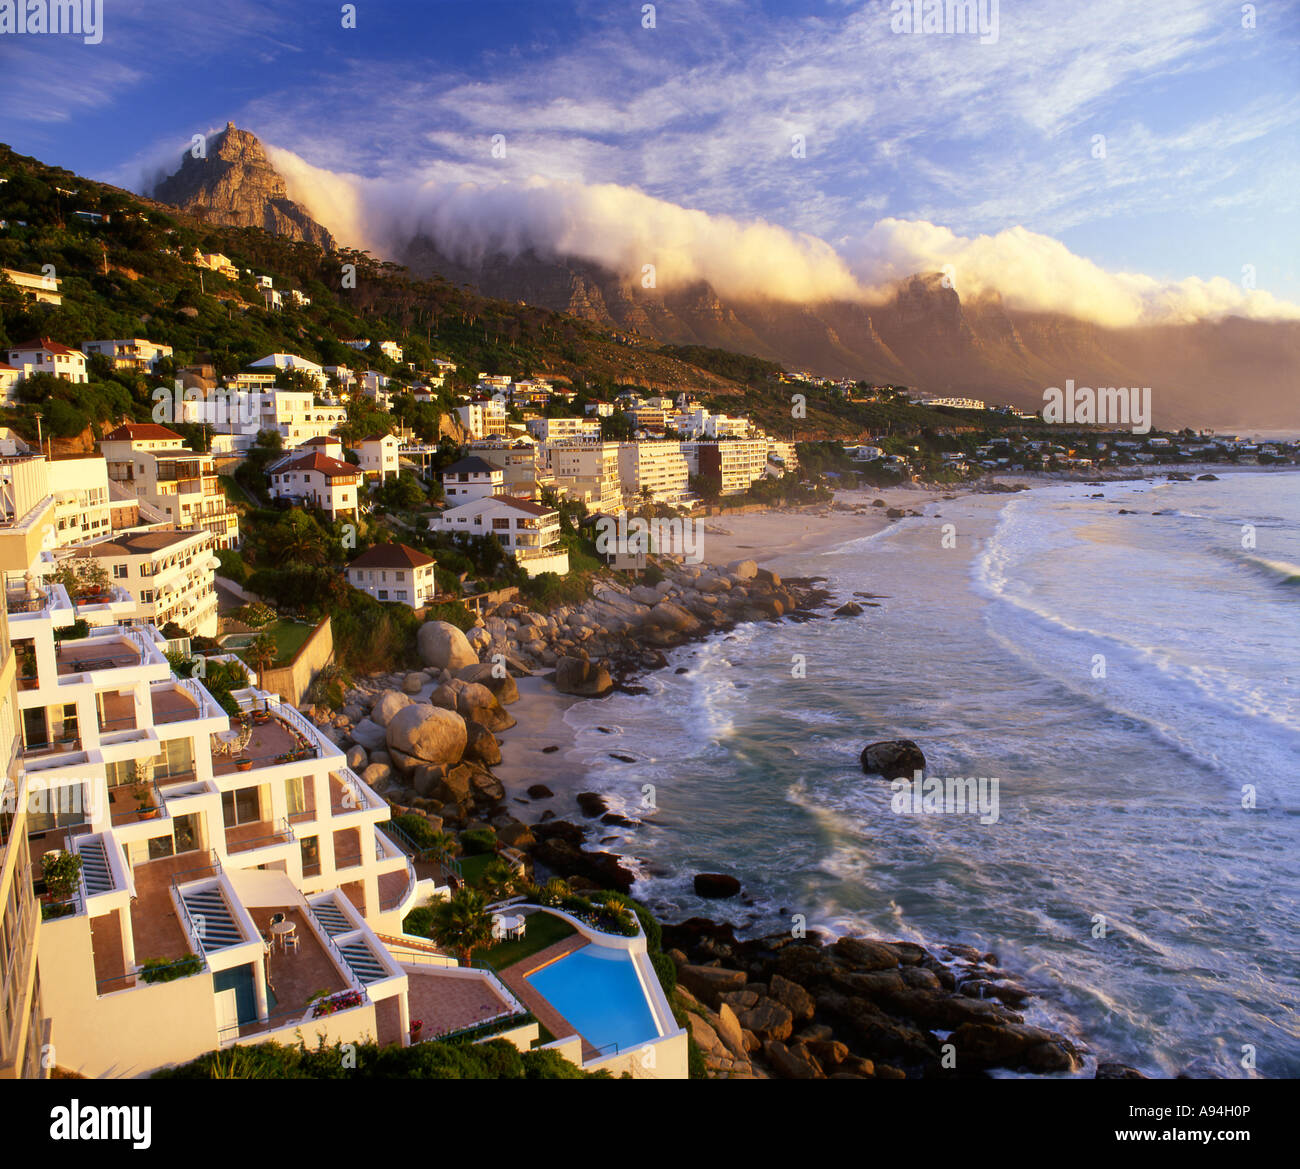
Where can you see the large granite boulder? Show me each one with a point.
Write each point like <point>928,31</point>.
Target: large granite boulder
<point>387,705</point>
<point>444,647</point>
<point>583,678</point>
<point>477,703</point>
<point>484,674</point>
<point>893,758</point>
<point>482,746</point>
<point>428,734</point>
<point>369,734</point>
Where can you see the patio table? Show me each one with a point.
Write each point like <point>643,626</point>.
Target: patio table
<point>283,929</point>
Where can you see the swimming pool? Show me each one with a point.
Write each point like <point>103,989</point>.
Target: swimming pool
<point>598,991</point>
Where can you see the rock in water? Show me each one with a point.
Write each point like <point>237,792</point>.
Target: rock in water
<point>586,679</point>
<point>716,885</point>
<point>893,758</point>
<point>444,647</point>
<point>849,609</point>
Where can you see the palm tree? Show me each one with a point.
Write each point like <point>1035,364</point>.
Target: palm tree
<point>442,843</point>
<point>460,923</point>
<point>261,653</point>
<point>500,878</point>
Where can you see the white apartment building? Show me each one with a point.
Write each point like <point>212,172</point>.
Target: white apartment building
<point>529,531</point>
<point>180,484</point>
<point>782,458</point>
<point>9,379</point>
<point>195,834</point>
<point>587,472</point>
<point>395,572</point>
<point>518,462</point>
<point>391,349</point>
<point>317,480</point>
<point>734,462</point>
<point>42,289</point>
<point>128,353</point>
<point>171,576</point>
<point>273,361</point>
<point>83,509</point>
<point>471,478</point>
<point>41,355</point>
<point>482,418</point>
<point>559,429</point>
<point>656,471</point>
<point>379,456</point>
<point>238,883</point>
<point>954,403</point>
<point>296,417</point>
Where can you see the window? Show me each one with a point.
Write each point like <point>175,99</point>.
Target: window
<point>119,571</point>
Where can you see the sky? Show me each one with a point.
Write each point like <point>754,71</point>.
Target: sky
<point>1123,161</point>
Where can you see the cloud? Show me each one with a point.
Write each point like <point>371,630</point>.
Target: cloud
<point>624,229</point>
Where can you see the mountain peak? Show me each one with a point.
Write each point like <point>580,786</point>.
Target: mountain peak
<point>234,184</point>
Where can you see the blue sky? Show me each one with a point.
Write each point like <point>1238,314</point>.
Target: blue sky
<point>1199,179</point>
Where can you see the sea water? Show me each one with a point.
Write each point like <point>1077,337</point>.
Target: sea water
<point>1131,680</point>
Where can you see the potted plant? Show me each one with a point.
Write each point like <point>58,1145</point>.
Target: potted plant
<point>417,1025</point>
<point>61,873</point>
<point>243,763</point>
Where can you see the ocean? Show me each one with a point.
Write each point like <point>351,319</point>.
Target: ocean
<point>1132,681</point>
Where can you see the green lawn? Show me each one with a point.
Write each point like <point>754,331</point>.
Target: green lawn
<point>289,637</point>
<point>472,867</point>
<point>541,930</point>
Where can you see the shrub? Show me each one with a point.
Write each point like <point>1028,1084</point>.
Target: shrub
<point>168,969</point>
<point>477,841</point>
<point>666,969</point>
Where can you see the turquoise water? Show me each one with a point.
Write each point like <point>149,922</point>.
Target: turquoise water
<point>597,990</point>
<point>1129,678</point>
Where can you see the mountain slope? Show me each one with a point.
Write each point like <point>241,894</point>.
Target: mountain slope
<point>235,185</point>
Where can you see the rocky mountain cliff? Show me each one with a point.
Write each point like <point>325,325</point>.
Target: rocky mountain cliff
<point>235,185</point>
<point>1229,373</point>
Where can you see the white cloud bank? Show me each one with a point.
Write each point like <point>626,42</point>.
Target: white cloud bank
<point>624,230</point>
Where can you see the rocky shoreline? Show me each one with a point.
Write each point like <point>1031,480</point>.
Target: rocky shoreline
<point>776,1006</point>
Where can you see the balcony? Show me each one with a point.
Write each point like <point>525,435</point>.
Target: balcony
<point>269,740</point>
<point>134,803</point>
<point>258,834</point>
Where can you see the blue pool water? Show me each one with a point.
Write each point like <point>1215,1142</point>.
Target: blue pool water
<point>597,990</point>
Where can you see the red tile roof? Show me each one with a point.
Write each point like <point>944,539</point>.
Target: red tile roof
<point>42,343</point>
<point>391,556</point>
<point>134,430</point>
<point>329,467</point>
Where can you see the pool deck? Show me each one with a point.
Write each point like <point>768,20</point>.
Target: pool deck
<point>516,979</point>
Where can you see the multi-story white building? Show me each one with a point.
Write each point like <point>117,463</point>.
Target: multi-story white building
<point>523,474</point>
<point>379,456</point>
<point>471,478</point>
<point>558,429</point>
<point>529,531</point>
<point>10,376</point>
<point>129,353</point>
<point>654,471</point>
<point>319,481</point>
<point>482,417</point>
<point>41,355</point>
<point>292,361</point>
<point>782,457</point>
<point>42,289</point>
<point>178,483</point>
<point>171,576</point>
<point>83,509</point>
<point>733,462</point>
<point>587,472</point>
<point>395,572</point>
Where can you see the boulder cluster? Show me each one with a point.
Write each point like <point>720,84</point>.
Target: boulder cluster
<point>854,1008</point>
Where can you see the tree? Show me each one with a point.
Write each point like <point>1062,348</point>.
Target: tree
<point>261,653</point>
<point>460,923</point>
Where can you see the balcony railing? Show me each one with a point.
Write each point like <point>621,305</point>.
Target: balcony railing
<point>282,833</point>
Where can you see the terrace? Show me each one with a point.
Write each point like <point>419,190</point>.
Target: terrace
<point>102,653</point>
<point>270,738</point>
<point>168,703</point>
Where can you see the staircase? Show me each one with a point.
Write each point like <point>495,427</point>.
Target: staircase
<point>332,920</point>
<point>215,924</point>
<point>94,866</point>
<point>363,963</point>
